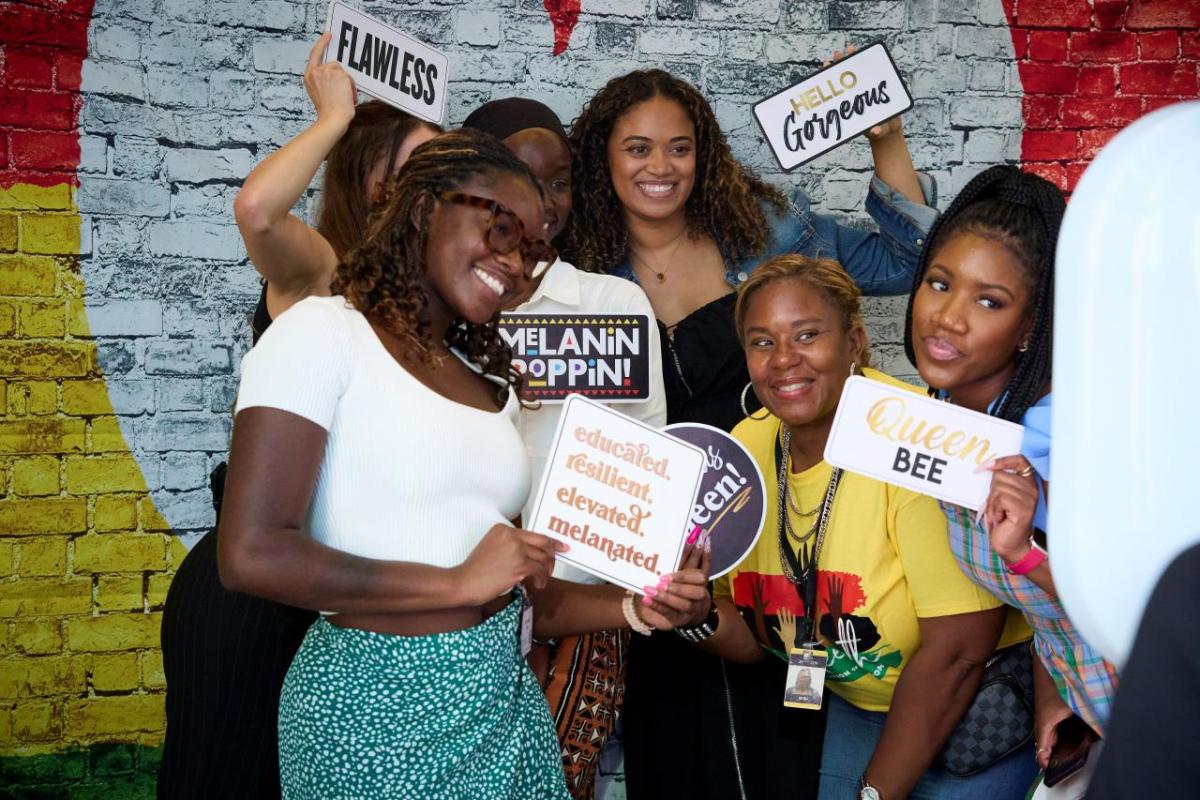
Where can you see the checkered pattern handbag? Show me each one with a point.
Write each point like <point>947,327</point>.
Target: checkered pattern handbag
<point>999,720</point>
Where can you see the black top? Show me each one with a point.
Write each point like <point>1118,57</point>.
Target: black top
<point>258,324</point>
<point>704,368</point>
<point>262,317</point>
<point>1153,739</point>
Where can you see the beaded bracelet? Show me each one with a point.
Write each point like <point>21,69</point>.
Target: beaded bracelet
<point>631,616</point>
<point>704,630</point>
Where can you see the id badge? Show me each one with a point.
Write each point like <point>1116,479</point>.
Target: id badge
<point>805,686</point>
<point>526,624</point>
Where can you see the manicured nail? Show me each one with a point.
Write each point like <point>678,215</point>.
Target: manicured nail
<point>695,534</point>
<point>707,546</point>
<point>647,601</point>
<point>665,580</point>
<point>649,591</point>
<point>986,466</point>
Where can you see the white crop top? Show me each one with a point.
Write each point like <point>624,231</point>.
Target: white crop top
<point>407,475</point>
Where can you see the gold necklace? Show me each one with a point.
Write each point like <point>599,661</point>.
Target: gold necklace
<point>661,277</point>
<point>796,508</point>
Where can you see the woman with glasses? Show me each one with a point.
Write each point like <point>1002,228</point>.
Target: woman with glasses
<point>412,682</point>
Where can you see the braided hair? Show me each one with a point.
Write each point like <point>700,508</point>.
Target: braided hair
<point>384,276</point>
<point>726,197</point>
<point>1021,212</point>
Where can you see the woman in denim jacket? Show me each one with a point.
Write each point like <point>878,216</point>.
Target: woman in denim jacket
<point>661,201</point>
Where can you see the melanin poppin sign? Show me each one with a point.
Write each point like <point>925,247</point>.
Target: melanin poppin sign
<point>602,356</point>
<point>387,63</point>
<point>831,107</point>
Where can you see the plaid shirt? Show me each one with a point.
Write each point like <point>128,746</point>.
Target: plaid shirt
<point>1085,680</point>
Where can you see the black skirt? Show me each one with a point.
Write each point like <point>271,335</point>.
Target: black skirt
<point>225,656</point>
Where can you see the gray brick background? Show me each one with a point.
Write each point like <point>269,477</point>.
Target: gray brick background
<point>183,97</point>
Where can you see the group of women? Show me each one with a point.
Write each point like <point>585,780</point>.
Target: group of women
<point>354,626</point>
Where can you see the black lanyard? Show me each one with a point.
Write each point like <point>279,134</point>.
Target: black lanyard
<point>800,566</point>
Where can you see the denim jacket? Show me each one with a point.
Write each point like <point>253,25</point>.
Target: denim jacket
<point>882,263</point>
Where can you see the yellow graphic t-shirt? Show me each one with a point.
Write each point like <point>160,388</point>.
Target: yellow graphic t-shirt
<point>885,562</point>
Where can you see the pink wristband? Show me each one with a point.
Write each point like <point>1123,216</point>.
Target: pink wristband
<point>1029,562</point>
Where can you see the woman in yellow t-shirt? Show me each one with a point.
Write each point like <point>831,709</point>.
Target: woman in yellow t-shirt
<point>905,632</point>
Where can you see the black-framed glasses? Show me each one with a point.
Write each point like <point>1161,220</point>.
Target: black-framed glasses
<point>506,232</point>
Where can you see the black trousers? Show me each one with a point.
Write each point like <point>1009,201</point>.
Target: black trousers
<point>677,733</point>
<point>225,656</point>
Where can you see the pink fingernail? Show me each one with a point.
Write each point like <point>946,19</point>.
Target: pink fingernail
<point>691,539</point>
<point>646,601</point>
<point>650,591</point>
<point>665,579</point>
<point>985,466</point>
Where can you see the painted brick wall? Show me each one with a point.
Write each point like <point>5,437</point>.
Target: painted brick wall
<point>1091,67</point>
<point>125,130</point>
<point>85,559</point>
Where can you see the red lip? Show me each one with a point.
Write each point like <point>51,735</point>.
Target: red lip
<point>940,350</point>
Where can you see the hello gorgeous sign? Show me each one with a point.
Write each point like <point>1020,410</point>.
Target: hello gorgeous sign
<point>832,106</point>
<point>619,492</point>
<point>917,442</point>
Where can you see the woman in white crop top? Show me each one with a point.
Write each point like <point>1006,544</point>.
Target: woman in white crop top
<point>373,473</point>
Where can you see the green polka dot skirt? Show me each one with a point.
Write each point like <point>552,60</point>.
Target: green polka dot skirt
<point>449,716</point>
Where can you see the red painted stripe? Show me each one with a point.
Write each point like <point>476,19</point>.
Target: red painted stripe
<point>44,44</point>
<point>1090,68</point>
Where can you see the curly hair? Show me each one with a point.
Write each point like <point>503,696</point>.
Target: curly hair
<point>383,276</point>
<point>725,202</point>
<point>1023,213</point>
<point>823,274</point>
<point>374,136</point>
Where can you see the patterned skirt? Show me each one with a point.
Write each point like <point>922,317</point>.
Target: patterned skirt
<point>444,717</point>
<point>584,688</point>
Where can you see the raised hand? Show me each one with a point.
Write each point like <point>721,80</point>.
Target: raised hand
<point>1008,512</point>
<point>786,629</point>
<point>505,557</point>
<point>837,588</point>
<point>757,588</point>
<point>329,86</point>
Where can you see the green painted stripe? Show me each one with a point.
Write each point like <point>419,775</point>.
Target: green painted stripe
<point>101,772</point>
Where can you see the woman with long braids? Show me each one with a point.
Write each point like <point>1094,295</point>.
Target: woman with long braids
<point>979,329</point>
<point>660,200</point>
<point>412,682</point>
<point>225,654</point>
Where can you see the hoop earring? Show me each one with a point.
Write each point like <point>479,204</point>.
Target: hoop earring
<point>746,411</point>
<point>1023,347</point>
<point>853,368</point>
